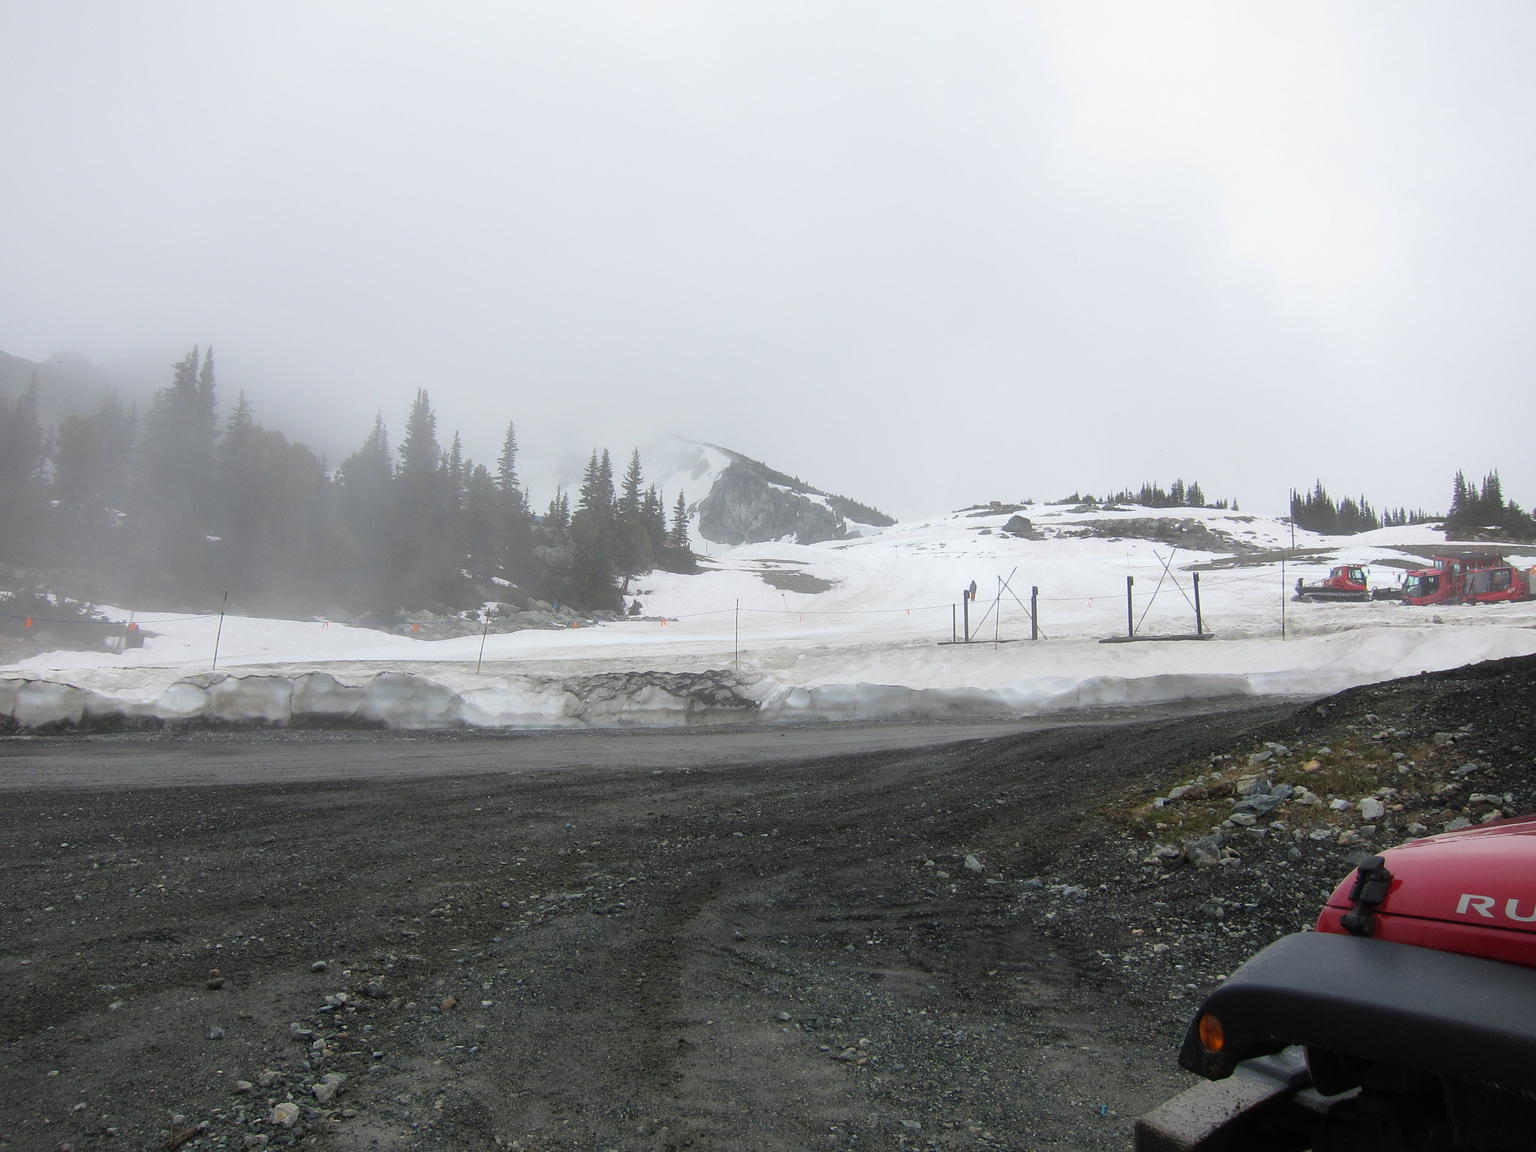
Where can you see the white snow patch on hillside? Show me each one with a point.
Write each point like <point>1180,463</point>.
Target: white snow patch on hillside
<point>851,629</point>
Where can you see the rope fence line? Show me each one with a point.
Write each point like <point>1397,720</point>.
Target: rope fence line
<point>1090,597</point>
<point>1118,595</point>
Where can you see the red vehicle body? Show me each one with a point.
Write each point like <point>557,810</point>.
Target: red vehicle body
<point>1344,582</point>
<point>1468,578</point>
<point>1406,1022</point>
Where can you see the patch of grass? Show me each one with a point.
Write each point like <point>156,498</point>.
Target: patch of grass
<point>1348,769</point>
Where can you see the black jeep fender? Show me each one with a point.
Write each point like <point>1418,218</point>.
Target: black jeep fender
<point>1458,1019</point>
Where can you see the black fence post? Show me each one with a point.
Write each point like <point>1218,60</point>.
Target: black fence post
<point>1034,612</point>
<point>1199,626</point>
<point>1130,615</point>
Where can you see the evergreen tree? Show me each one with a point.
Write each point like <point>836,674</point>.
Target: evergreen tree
<point>629,501</point>
<point>653,514</point>
<point>677,535</point>
<point>367,508</point>
<point>506,463</point>
<point>173,493</point>
<point>632,553</point>
<point>558,517</point>
<point>484,523</point>
<point>23,455</point>
<point>425,554</point>
<point>1459,497</point>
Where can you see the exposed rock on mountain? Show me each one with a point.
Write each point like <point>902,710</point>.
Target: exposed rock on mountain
<point>1187,533</point>
<point>750,502</point>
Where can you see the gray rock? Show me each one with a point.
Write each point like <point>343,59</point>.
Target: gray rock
<point>286,1114</point>
<point>1204,851</point>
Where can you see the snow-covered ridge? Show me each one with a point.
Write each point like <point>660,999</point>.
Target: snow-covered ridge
<point>847,629</point>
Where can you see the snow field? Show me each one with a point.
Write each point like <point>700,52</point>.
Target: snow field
<point>871,641</point>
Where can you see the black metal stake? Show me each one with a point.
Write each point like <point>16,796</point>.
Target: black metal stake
<point>219,635</point>
<point>481,658</point>
<point>1199,627</point>
<point>1130,616</point>
<point>1034,612</point>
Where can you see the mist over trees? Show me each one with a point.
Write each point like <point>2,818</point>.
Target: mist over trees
<point>178,506</point>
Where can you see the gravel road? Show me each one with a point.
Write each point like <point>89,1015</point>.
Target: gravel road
<point>719,951</point>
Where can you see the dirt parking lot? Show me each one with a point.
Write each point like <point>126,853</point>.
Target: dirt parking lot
<point>757,953</point>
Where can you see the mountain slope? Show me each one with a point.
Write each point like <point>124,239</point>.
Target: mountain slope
<point>735,499</point>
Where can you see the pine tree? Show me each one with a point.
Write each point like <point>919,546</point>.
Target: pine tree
<point>1459,497</point>
<point>506,464</point>
<point>23,454</point>
<point>653,514</point>
<point>629,500</point>
<point>557,518</point>
<point>677,535</point>
<point>174,492</point>
<point>425,554</point>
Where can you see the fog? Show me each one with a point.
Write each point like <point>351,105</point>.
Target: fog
<point>918,254</point>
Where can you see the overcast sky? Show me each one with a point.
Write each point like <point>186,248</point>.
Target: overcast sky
<point>920,254</point>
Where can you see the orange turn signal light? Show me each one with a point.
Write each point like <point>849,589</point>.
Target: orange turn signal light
<point>1213,1038</point>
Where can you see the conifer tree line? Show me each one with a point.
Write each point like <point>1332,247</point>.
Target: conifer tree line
<point>177,505</point>
<point>1154,495</point>
<point>1474,511</point>
<point>1482,510</point>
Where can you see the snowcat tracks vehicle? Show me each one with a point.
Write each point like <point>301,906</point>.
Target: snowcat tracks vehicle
<point>1405,1022</point>
<point>1345,582</point>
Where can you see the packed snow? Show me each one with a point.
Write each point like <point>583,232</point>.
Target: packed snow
<point>869,628</point>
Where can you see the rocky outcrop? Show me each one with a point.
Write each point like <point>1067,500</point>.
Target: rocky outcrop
<point>1192,534</point>
<point>750,503</point>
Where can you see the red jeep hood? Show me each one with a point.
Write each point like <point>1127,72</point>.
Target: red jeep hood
<point>1472,891</point>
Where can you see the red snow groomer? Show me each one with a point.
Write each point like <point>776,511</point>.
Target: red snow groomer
<point>1344,582</point>
<point>1467,578</point>
<point>1405,1022</point>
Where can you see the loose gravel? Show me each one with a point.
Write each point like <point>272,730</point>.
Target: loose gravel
<point>994,944</point>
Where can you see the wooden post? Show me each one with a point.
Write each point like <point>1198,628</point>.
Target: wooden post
<point>1199,627</point>
<point>1034,612</point>
<point>1130,615</point>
